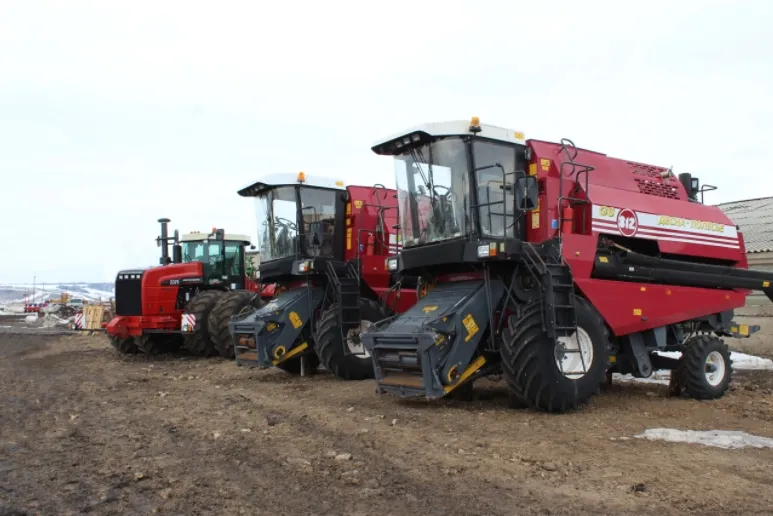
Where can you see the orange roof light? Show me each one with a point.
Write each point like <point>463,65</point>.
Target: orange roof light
<point>301,177</point>
<point>475,121</point>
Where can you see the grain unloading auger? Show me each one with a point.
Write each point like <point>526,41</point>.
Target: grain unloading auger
<point>324,246</point>
<point>555,266</point>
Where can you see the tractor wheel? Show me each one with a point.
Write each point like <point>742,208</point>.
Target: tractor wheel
<point>347,359</point>
<point>149,344</point>
<point>705,368</point>
<point>548,375</point>
<point>200,342</point>
<point>230,304</point>
<point>125,346</point>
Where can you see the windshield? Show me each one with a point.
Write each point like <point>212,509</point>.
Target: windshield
<point>432,185</point>
<point>219,257</point>
<point>277,221</point>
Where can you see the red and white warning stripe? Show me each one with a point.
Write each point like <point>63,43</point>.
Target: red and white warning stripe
<point>626,222</point>
<point>78,320</point>
<point>188,324</point>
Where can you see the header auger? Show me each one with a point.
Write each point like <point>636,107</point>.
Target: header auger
<point>554,266</point>
<point>323,245</point>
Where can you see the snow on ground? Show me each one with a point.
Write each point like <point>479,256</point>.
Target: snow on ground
<point>741,361</point>
<point>718,438</point>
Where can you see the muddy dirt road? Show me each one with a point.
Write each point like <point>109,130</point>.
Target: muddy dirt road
<point>83,430</point>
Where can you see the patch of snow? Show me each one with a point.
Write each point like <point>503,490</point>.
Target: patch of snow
<point>741,362</point>
<point>717,438</point>
<point>31,318</point>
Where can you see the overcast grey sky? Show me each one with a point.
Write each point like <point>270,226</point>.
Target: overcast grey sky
<point>113,114</point>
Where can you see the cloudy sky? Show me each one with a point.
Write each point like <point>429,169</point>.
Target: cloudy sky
<point>113,114</point>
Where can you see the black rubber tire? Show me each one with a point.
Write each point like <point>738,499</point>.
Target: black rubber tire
<point>690,372</point>
<point>200,342</point>
<point>149,344</point>
<point>230,304</point>
<point>124,346</point>
<point>530,370</point>
<point>330,345</point>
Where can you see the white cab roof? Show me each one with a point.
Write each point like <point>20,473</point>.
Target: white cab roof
<point>451,128</point>
<point>197,236</point>
<point>287,178</point>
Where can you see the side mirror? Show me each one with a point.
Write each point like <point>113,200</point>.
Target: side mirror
<point>526,193</point>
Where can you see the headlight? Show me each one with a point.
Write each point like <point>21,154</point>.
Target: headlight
<point>483,251</point>
<point>391,264</point>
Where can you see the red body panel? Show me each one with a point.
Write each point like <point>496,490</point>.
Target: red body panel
<point>373,242</point>
<point>633,200</point>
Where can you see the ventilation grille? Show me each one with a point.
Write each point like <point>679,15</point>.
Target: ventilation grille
<point>646,170</point>
<point>659,189</point>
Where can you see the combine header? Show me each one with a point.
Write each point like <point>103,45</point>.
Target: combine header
<point>323,245</point>
<point>193,294</point>
<point>555,266</point>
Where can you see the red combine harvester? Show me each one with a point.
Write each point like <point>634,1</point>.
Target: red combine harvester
<point>324,246</point>
<point>555,267</point>
<point>191,295</point>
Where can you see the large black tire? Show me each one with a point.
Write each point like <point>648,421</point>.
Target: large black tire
<point>200,342</point>
<point>330,343</point>
<point>157,343</point>
<point>125,346</point>
<point>691,373</point>
<point>230,304</point>
<point>529,362</point>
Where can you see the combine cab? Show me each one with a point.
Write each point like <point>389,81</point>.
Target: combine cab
<point>555,267</point>
<point>324,247</point>
<point>191,295</point>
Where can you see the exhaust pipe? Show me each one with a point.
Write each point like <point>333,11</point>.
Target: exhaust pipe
<point>163,242</point>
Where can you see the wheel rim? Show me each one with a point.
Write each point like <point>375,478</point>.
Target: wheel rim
<point>354,342</point>
<point>574,354</point>
<point>715,368</point>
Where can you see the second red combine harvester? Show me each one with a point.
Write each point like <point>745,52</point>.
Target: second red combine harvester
<point>323,246</point>
<point>555,267</point>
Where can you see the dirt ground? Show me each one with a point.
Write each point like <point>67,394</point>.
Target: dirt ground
<point>84,430</point>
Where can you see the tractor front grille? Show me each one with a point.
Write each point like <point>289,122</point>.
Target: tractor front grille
<point>128,293</point>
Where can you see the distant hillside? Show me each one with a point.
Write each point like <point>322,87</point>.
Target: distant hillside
<point>18,293</point>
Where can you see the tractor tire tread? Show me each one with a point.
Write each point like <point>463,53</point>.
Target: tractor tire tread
<point>200,342</point>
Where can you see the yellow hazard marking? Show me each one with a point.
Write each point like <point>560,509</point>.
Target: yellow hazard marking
<point>603,259</point>
<point>270,326</point>
<point>430,308</point>
<point>545,163</point>
<point>358,204</point>
<point>279,352</point>
<point>466,374</point>
<point>744,330</point>
<point>637,311</point>
<point>519,135</point>
<point>295,320</point>
<point>612,359</point>
<point>348,208</point>
<point>291,354</point>
<point>348,238</point>
<point>765,284</point>
<point>532,169</point>
<point>535,221</point>
<point>471,325</point>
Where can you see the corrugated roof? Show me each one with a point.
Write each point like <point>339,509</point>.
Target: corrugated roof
<point>755,219</point>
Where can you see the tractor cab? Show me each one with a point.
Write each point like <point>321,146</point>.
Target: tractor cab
<point>299,217</point>
<point>222,256</point>
<point>460,186</point>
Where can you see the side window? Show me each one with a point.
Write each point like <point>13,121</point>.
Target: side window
<point>495,192</point>
<point>232,259</point>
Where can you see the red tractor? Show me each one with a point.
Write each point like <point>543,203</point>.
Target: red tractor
<point>191,295</point>
<point>555,267</point>
<point>324,246</point>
